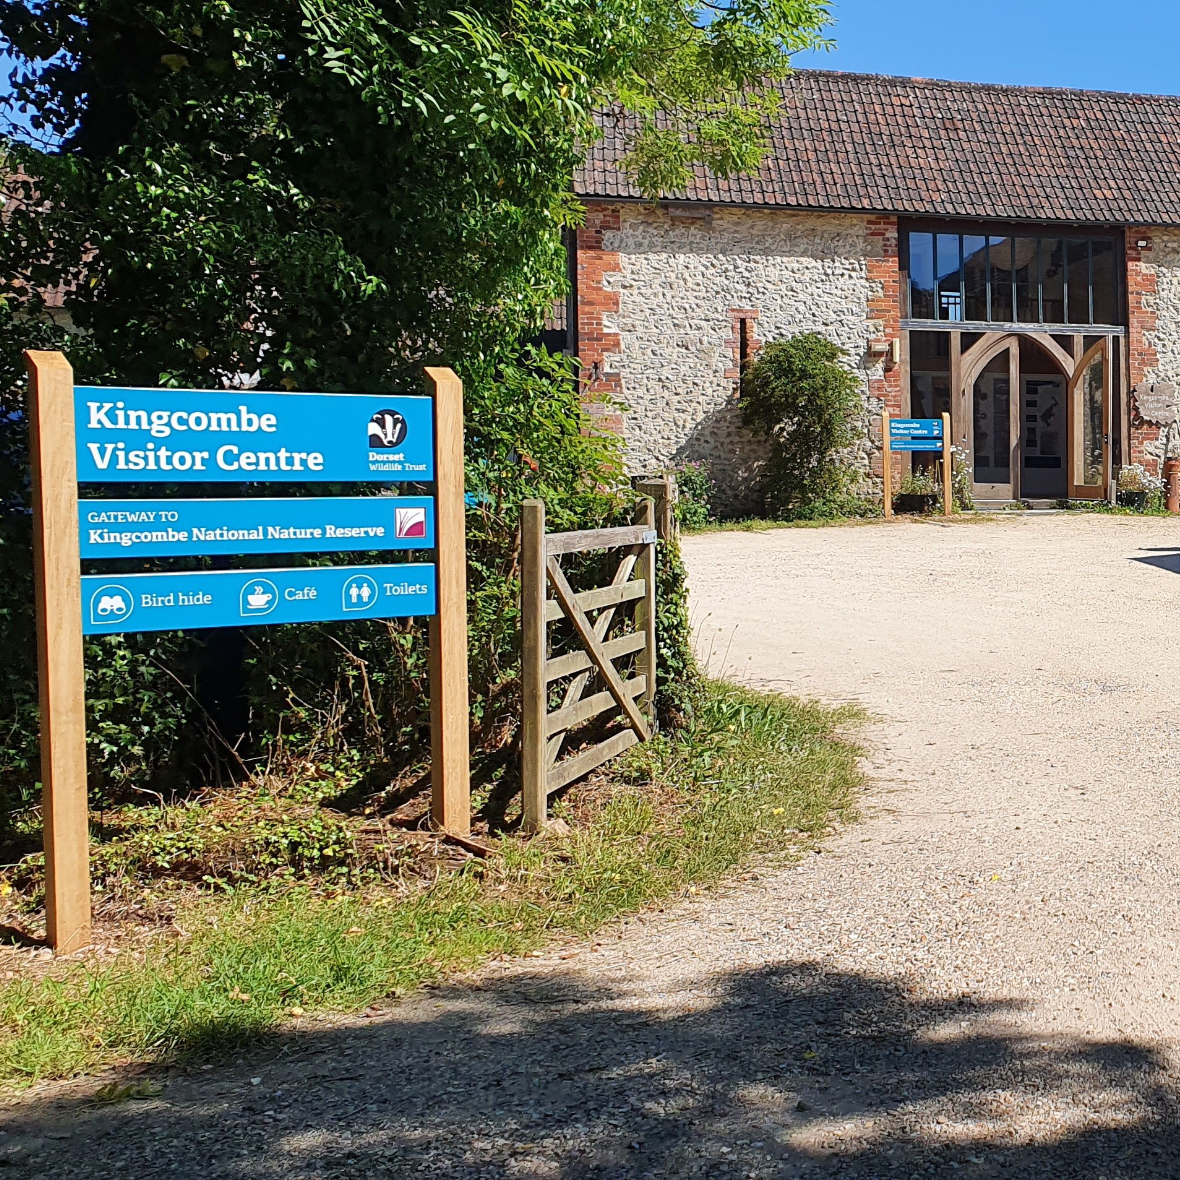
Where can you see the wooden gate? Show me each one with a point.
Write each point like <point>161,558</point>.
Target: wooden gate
<point>599,658</point>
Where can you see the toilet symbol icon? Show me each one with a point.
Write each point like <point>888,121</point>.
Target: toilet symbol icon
<point>360,592</point>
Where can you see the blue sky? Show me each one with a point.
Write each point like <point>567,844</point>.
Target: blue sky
<point>1127,45</point>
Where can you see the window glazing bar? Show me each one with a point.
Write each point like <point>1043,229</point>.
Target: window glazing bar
<point>1012,274</point>
<point>962,282</point>
<point>987,262</point>
<point>1065,278</point>
<point>1040,280</point>
<point>1090,280</point>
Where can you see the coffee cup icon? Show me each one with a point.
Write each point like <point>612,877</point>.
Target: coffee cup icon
<point>259,597</point>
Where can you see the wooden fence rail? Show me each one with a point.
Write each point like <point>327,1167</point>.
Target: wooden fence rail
<point>596,662</point>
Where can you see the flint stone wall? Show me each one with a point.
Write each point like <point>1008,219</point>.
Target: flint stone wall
<point>1162,336</point>
<point>679,281</point>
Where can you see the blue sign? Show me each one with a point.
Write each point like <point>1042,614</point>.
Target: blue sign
<point>915,428</point>
<point>243,598</point>
<point>915,434</point>
<point>175,528</point>
<point>175,435</point>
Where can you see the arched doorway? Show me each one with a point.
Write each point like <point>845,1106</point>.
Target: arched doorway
<point>1033,412</point>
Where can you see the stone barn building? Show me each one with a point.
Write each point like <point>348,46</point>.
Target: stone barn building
<point>1008,254</point>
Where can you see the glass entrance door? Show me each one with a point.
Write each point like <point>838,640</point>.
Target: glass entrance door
<point>993,446</point>
<point>1089,424</point>
<point>1043,436</point>
<point>995,426</point>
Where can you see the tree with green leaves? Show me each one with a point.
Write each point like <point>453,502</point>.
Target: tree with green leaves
<point>328,194</point>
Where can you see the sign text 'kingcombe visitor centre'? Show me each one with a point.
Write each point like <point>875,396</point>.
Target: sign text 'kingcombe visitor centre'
<point>126,435</point>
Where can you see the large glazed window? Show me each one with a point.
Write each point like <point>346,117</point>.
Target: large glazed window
<point>1022,279</point>
<point>930,374</point>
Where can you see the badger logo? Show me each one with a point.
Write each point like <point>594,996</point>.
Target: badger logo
<point>387,429</point>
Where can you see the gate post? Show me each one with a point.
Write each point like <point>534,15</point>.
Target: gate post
<point>534,700</point>
<point>645,612</point>
<point>664,492</point>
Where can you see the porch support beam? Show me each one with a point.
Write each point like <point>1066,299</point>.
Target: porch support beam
<point>960,400</point>
<point>1012,329</point>
<point>1015,401</point>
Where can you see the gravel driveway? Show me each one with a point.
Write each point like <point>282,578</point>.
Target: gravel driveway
<point>977,980</point>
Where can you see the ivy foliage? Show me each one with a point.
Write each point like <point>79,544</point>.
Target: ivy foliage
<point>326,195</point>
<point>806,402</point>
<point>697,492</point>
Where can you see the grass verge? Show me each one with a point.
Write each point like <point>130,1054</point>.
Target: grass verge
<point>752,773</point>
<point>760,525</point>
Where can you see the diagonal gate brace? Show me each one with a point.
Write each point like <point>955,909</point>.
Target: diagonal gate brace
<point>593,646</point>
<point>577,687</point>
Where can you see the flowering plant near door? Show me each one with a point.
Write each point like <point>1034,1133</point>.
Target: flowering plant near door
<point>926,482</point>
<point>1137,487</point>
<point>922,481</point>
<point>961,480</point>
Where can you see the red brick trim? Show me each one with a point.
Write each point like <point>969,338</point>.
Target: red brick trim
<point>1142,359</point>
<point>884,311</point>
<point>734,342</point>
<point>598,346</point>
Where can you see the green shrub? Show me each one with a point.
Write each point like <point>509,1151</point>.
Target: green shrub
<point>694,482</point>
<point>927,481</point>
<point>678,678</point>
<point>923,481</point>
<point>800,396</point>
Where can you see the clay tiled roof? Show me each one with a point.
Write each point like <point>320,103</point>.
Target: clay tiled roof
<point>860,142</point>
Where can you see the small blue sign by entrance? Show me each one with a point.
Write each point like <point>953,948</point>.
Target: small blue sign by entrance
<point>242,598</point>
<point>915,434</point>
<point>179,528</point>
<point>235,436</point>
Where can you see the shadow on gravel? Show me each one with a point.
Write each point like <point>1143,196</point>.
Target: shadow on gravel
<point>791,1071</point>
<point>1165,559</point>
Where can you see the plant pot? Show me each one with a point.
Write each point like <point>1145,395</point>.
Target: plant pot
<point>1137,500</point>
<point>918,503</point>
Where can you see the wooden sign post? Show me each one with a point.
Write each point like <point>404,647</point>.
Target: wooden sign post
<point>61,690</point>
<point>916,434</point>
<point>948,498</point>
<point>341,438</point>
<point>450,750</point>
